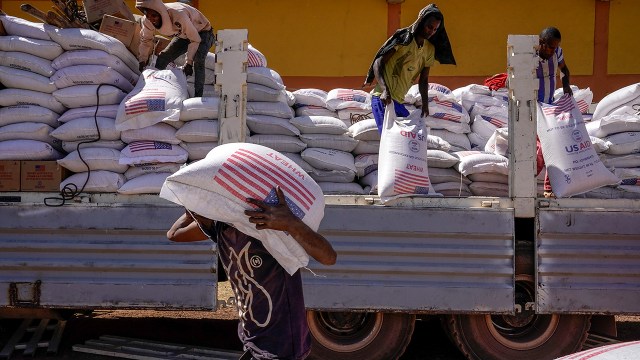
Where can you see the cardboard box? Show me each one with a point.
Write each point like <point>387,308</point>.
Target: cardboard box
<point>96,9</point>
<point>118,28</point>
<point>9,175</point>
<point>161,43</point>
<point>41,176</point>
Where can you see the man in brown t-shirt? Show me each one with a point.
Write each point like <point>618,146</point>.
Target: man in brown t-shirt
<point>270,301</point>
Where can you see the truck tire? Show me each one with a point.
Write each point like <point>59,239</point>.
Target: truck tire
<point>355,335</point>
<point>524,336</point>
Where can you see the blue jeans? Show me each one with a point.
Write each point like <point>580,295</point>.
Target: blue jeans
<point>178,46</point>
<point>377,107</point>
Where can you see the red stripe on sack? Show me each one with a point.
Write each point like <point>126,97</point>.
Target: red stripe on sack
<point>242,189</point>
<point>411,175</point>
<point>236,170</point>
<point>231,190</point>
<point>563,105</point>
<point>291,192</point>
<point>602,351</point>
<point>285,176</point>
<point>303,190</point>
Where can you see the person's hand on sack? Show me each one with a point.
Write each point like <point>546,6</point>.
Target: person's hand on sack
<point>275,217</point>
<point>188,69</point>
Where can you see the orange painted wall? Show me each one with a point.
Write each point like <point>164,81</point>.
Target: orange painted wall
<point>329,44</point>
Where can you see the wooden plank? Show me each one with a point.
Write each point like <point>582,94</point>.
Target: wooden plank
<point>15,338</point>
<point>140,349</point>
<point>54,343</point>
<point>32,344</point>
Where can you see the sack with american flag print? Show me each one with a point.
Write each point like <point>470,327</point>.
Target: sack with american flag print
<point>572,163</point>
<point>402,166</point>
<point>157,97</point>
<point>217,187</point>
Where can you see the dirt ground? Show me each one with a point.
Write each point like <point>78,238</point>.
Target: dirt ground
<point>219,330</point>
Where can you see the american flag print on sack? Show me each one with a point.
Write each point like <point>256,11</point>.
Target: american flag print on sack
<point>563,105</point>
<point>409,183</point>
<point>146,101</point>
<point>148,145</point>
<point>446,116</point>
<point>247,174</point>
<point>493,121</point>
<point>445,103</point>
<point>351,95</point>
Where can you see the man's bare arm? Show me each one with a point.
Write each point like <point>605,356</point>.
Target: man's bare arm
<point>185,229</point>
<point>280,217</point>
<point>378,71</point>
<point>566,82</point>
<point>423,87</point>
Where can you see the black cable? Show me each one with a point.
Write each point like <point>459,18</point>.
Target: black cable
<point>70,190</point>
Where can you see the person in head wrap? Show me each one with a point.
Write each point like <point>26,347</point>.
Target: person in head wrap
<point>406,55</point>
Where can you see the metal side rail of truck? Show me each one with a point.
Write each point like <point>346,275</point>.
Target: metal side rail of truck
<point>518,277</point>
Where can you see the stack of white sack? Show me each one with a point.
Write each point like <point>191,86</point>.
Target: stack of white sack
<point>29,111</point>
<point>488,173</point>
<point>616,121</point>
<point>269,107</point>
<point>328,152</point>
<point>445,111</point>
<point>148,118</point>
<point>311,102</point>
<point>488,111</point>
<point>200,129</point>
<point>206,188</point>
<point>209,75</point>
<point>366,153</point>
<point>350,105</point>
<point>270,104</point>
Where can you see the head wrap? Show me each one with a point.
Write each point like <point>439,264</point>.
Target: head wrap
<point>404,36</point>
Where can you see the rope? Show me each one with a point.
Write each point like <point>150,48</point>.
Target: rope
<point>70,190</point>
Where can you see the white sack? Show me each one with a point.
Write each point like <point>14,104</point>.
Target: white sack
<point>27,150</point>
<point>85,129</point>
<point>95,158</point>
<point>200,108</point>
<point>12,97</point>
<point>157,97</point>
<point>22,79</point>
<point>143,152</point>
<point>45,49</point>
<point>572,164</point>
<point>271,125</point>
<point>100,181</point>
<point>23,61</point>
<point>157,132</point>
<point>21,27</point>
<point>85,39</point>
<point>95,57</point>
<point>144,184</point>
<point>615,99</point>
<point>88,95</point>
<point>90,75</point>
<point>206,187</point>
<point>403,170</point>
<point>33,113</point>
<point>109,111</point>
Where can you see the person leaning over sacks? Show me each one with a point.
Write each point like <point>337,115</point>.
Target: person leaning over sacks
<point>551,59</point>
<point>273,323</point>
<point>191,33</point>
<point>407,54</point>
